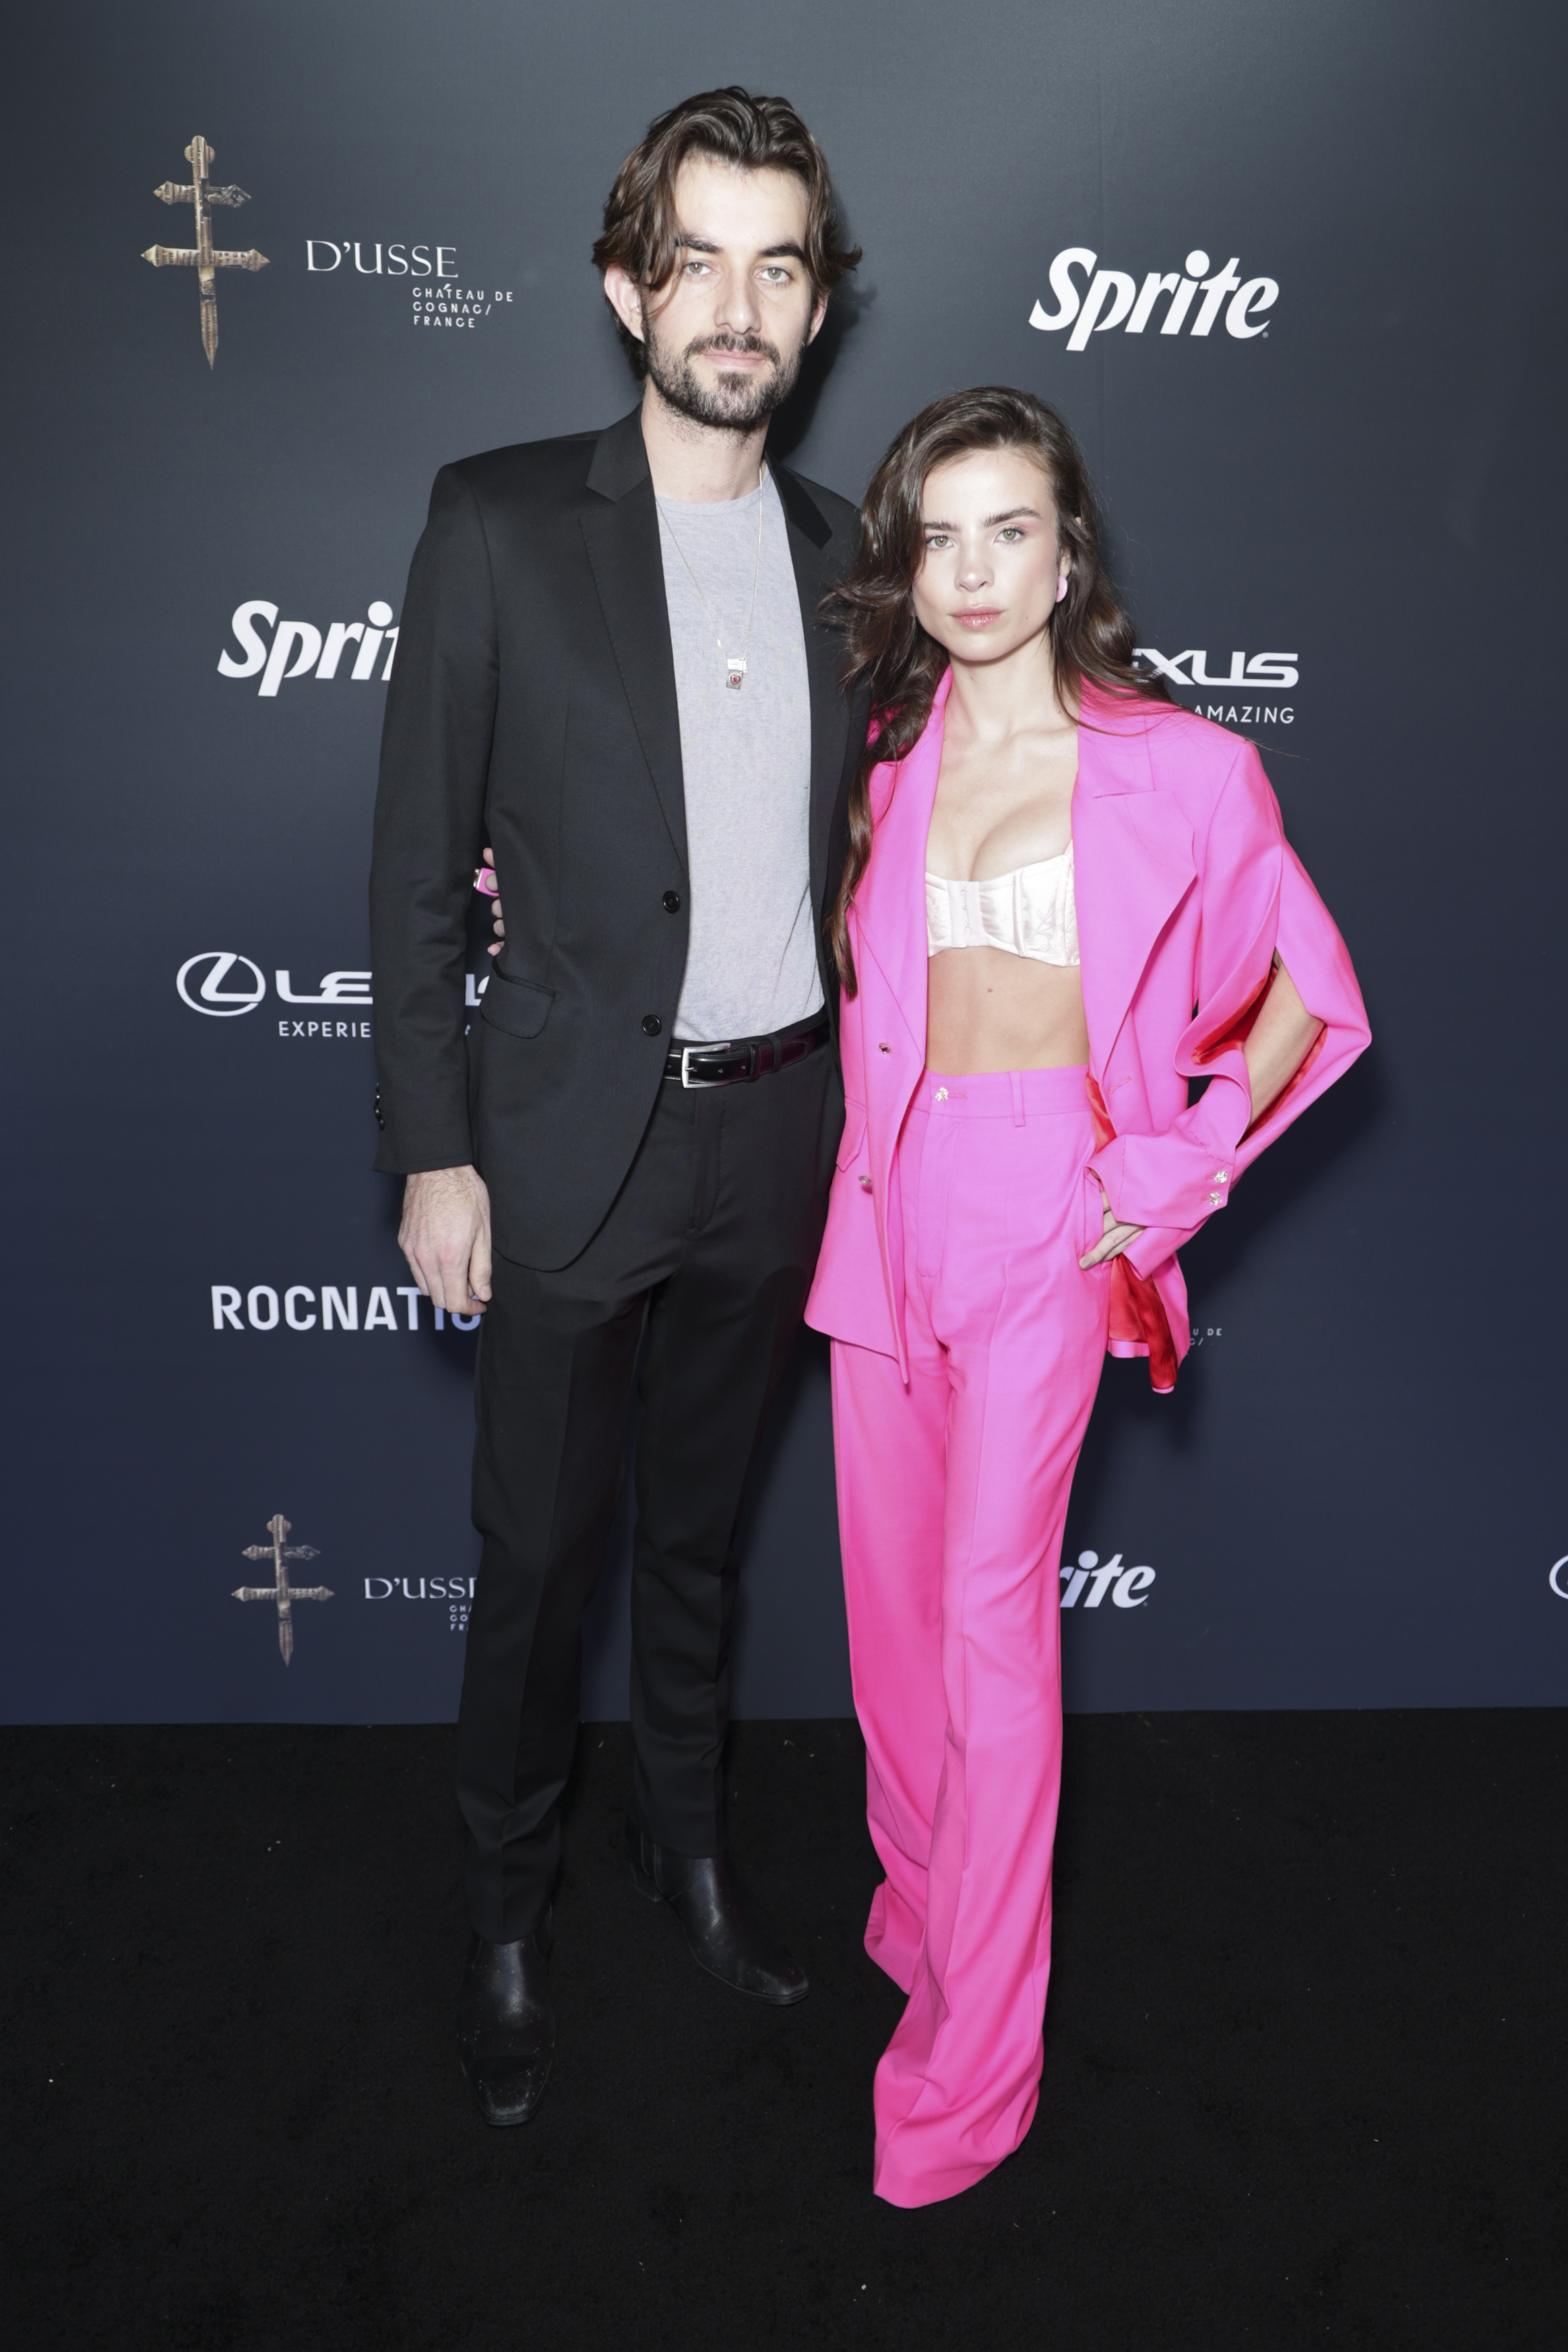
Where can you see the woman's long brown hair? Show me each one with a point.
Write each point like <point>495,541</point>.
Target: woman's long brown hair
<point>1090,633</point>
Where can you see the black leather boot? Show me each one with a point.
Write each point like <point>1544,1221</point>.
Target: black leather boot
<point>720,1936</point>
<point>505,2026</point>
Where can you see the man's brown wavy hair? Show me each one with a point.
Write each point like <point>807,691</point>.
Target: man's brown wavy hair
<point>756,134</point>
<point>1090,633</point>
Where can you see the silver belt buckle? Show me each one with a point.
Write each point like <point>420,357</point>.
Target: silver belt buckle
<point>698,1085</point>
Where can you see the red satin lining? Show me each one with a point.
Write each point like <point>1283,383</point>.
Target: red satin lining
<point>1105,1132</point>
<point>1240,1028</point>
<point>1138,1316</point>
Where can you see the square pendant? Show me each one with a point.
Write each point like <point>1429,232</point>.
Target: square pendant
<point>735,671</point>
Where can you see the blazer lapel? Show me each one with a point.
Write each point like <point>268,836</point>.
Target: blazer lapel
<point>891,902</point>
<point>1133,865</point>
<point>621,527</point>
<point>809,535</point>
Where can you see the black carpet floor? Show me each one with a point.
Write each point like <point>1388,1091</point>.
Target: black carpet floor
<point>1304,2078</point>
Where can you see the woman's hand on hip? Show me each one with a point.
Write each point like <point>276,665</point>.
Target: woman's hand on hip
<point>489,887</point>
<point>1112,1241</point>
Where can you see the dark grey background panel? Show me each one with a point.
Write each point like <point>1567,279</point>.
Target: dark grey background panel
<point>1355,1497</point>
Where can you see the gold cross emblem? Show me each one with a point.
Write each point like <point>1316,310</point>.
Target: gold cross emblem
<point>202,257</point>
<point>280,1591</point>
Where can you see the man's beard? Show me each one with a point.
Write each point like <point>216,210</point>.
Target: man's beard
<point>735,403</point>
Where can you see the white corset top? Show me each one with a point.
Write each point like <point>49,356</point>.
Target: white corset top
<point>1029,912</point>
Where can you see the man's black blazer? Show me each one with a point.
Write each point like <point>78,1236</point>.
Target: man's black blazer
<point>533,706</point>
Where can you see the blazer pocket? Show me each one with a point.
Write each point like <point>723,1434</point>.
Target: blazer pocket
<point>520,1007</point>
<point>853,1136</point>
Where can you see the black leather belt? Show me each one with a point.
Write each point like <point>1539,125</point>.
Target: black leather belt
<point>738,1060</point>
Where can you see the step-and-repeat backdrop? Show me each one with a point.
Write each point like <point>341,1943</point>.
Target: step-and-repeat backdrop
<point>1294,276</point>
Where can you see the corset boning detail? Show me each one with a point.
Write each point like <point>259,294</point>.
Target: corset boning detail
<point>1029,912</point>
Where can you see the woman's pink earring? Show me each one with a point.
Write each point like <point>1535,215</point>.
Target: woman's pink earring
<point>1060,589</point>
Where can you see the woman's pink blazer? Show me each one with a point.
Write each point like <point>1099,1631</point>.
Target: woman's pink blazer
<point>1186,887</point>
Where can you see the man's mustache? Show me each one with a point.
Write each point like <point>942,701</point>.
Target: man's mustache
<point>717,343</point>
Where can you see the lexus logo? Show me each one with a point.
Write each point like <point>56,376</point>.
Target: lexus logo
<point>1552,1575</point>
<point>1255,671</point>
<point>200,981</point>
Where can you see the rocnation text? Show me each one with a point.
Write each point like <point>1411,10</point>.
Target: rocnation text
<point>298,1307</point>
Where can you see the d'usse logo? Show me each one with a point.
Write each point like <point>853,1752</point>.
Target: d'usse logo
<point>437,300</point>
<point>1114,298</point>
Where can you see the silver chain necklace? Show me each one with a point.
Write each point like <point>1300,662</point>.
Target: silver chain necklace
<point>734,664</point>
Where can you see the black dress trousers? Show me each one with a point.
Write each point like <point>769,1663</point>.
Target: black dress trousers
<point>709,1248</point>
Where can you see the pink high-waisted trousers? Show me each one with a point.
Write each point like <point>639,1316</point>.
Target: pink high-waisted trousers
<point>952,1498</point>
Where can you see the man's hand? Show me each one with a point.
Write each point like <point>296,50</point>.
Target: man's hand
<point>446,1237</point>
<point>1114,1240</point>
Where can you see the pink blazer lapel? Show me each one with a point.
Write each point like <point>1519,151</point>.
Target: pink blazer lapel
<point>1132,860</point>
<point>1133,865</point>
<point>890,907</point>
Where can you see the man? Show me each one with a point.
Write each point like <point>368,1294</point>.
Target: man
<point>612,669</point>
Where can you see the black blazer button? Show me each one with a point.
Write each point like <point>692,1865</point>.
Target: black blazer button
<point>651,1024</point>
<point>672,902</point>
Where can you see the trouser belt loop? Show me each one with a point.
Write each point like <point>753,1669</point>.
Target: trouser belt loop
<point>1018,1119</point>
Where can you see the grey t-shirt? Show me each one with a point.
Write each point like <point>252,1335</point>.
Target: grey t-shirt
<point>746,754</point>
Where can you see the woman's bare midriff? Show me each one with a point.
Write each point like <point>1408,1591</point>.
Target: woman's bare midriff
<point>986,1010</point>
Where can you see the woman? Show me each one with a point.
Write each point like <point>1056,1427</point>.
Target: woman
<point>1051,864</point>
